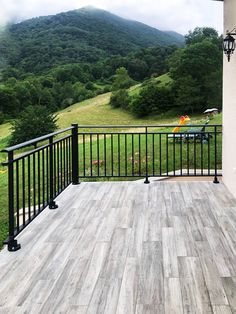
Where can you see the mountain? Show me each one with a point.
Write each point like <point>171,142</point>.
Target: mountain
<point>84,35</point>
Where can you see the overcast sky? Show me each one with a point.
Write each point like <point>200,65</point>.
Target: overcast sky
<point>178,15</point>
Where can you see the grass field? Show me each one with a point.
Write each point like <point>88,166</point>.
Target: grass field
<point>124,154</point>
<point>97,111</point>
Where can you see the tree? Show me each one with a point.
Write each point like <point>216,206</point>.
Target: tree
<point>138,69</point>
<point>9,104</point>
<point>33,122</point>
<point>122,79</point>
<point>153,100</point>
<point>201,33</point>
<point>197,72</point>
<point>189,98</point>
<point>120,99</point>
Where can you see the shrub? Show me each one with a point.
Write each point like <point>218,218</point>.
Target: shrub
<point>120,99</point>
<point>90,86</point>
<point>152,100</point>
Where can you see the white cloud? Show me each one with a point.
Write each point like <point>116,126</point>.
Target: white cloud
<point>179,15</point>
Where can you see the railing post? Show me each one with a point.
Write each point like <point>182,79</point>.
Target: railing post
<point>75,169</point>
<point>216,181</point>
<point>146,178</point>
<point>11,242</point>
<point>52,203</point>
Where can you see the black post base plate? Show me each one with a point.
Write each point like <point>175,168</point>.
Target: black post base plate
<point>53,205</point>
<point>216,181</point>
<point>76,183</point>
<point>12,245</point>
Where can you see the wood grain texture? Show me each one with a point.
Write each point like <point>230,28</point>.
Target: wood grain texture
<point>221,309</point>
<point>173,297</point>
<point>126,247</point>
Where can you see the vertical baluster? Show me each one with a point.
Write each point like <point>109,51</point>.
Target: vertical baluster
<point>11,242</point>
<point>216,169</point>
<point>153,155</point>
<point>39,183</point>
<point>187,139</point>
<point>54,171</point>
<point>70,163</point>
<point>75,147</point>
<point>29,188</point>
<point>195,157</point>
<point>118,155</point>
<point>126,156</point>
<point>52,203</point>
<point>23,190</point>
<point>60,166</point>
<point>105,156</point>
<point>64,164</point>
<point>139,153</point>
<point>132,143</point>
<point>201,153</point>
<point>160,153</point>
<point>91,154</point>
<point>98,155</point>
<point>48,175</point>
<point>67,162</point>
<point>84,158</point>
<point>209,154</point>
<point>43,176</point>
<point>146,159</point>
<point>181,154</point>
<point>174,139</point>
<point>17,198</point>
<point>34,185</point>
<point>167,155</point>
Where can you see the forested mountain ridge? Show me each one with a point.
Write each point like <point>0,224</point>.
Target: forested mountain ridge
<point>84,35</point>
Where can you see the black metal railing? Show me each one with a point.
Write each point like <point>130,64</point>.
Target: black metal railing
<point>150,151</point>
<point>36,176</point>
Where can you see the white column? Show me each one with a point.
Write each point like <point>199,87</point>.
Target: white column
<point>229,105</point>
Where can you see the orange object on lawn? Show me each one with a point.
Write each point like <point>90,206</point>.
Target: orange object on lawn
<point>183,120</point>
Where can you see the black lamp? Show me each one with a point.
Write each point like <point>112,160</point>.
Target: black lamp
<point>229,43</point>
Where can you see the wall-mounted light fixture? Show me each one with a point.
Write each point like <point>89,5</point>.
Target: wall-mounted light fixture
<point>229,43</point>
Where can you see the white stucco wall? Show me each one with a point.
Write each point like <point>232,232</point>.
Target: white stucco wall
<point>229,105</point>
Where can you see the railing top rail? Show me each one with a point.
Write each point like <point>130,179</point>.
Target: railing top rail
<point>31,152</point>
<point>34,141</point>
<point>145,126</point>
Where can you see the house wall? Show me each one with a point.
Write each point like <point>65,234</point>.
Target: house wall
<point>229,105</point>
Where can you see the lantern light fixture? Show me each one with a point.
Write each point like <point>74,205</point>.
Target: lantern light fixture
<point>229,44</point>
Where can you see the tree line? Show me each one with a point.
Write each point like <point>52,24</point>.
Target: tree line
<point>64,85</point>
<point>196,73</point>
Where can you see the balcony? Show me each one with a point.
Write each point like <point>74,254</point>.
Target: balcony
<point>126,247</point>
<point>119,246</point>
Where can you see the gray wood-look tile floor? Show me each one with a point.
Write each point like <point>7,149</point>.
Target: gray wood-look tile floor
<point>127,247</point>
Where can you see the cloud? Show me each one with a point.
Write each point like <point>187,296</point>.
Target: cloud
<point>178,15</point>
